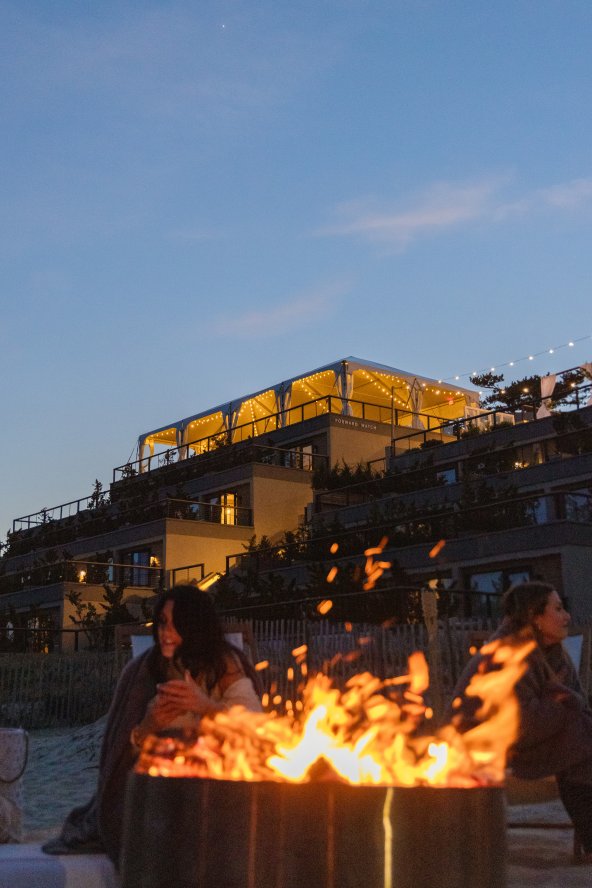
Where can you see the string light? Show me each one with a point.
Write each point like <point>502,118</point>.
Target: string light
<point>383,383</point>
<point>548,351</point>
<point>403,384</point>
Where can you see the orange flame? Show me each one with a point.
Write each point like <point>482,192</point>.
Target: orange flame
<point>366,734</point>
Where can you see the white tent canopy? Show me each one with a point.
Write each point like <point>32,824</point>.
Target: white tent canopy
<point>349,386</point>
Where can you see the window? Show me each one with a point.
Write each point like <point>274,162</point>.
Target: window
<point>578,506</point>
<point>40,636</point>
<point>487,587</point>
<point>228,508</point>
<point>542,509</point>
<point>137,568</point>
<point>221,508</point>
<point>446,476</point>
<point>497,581</point>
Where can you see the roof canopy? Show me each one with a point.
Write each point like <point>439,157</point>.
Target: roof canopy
<point>349,386</point>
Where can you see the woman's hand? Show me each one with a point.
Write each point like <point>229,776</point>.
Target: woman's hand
<point>186,696</point>
<point>159,715</point>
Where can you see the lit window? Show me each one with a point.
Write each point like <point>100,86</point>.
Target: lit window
<point>228,508</point>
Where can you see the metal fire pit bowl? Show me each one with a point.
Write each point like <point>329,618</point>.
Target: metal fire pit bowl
<point>182,832</point>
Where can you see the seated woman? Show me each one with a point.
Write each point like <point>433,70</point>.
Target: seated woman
<point>555,736</point>
<point>191,670</point>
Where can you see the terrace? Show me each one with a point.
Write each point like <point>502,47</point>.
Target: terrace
<point>484,444</point>
<point>132,503</point>
<point>36,533</point>
<point>428,527</point>
<point>97,573</point>
<point>350,387</point>
<point>476,534</point>
<point>213,446</point>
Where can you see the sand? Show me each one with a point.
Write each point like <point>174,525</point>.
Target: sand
<point>61,773</point>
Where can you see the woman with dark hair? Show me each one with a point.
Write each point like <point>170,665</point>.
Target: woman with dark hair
<point>191,670</point>
<point>196,670</point>
<point>555,737</point>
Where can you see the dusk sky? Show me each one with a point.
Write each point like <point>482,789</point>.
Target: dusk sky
<point>200,199</point>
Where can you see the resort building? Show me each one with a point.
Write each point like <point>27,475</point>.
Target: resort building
<point>203,487</point>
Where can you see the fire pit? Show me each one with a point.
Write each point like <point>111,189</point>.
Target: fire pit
<point>202,833</point>
<point>350,792</point>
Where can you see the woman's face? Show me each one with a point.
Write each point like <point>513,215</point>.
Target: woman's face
<point>168,637</point>
<point>553,622</point>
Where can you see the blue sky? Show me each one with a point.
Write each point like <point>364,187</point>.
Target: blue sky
<point>201,199</point>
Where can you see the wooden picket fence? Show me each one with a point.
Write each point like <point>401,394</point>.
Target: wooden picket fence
<point>53,690</point>
<point>340,653</point>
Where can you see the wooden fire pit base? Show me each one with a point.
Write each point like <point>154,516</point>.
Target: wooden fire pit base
<point>193,833</point>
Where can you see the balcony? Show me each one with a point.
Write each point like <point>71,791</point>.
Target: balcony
<point>428,528</point>
<point>225,448</point>
<point>31,532</point>
<point>90,573</point>
<point>498,454</point>
<point>477,422</point>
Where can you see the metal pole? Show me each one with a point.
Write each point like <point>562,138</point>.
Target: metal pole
<point>392,416</point>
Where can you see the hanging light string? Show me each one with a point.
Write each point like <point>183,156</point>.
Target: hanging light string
<point>531,357</point>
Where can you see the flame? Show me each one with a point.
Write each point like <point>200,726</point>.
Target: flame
<point>370,733</point>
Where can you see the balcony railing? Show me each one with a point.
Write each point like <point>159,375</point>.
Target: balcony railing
<point>218,458</point>
<point>214,513</point>
<point>83,572</point>
<point>189,573</point>
<point>451,430</point>
<point>59,513</point>
<point>447,524</point>
<point>482,421</point>
<point>90,523</point>
<point>212,445</point>
<point>425,474</point>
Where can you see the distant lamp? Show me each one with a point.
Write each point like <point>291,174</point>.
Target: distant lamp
<point>209,580</point>
<point>81,575</point>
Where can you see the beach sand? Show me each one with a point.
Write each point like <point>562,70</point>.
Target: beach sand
<point>61,773</point>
